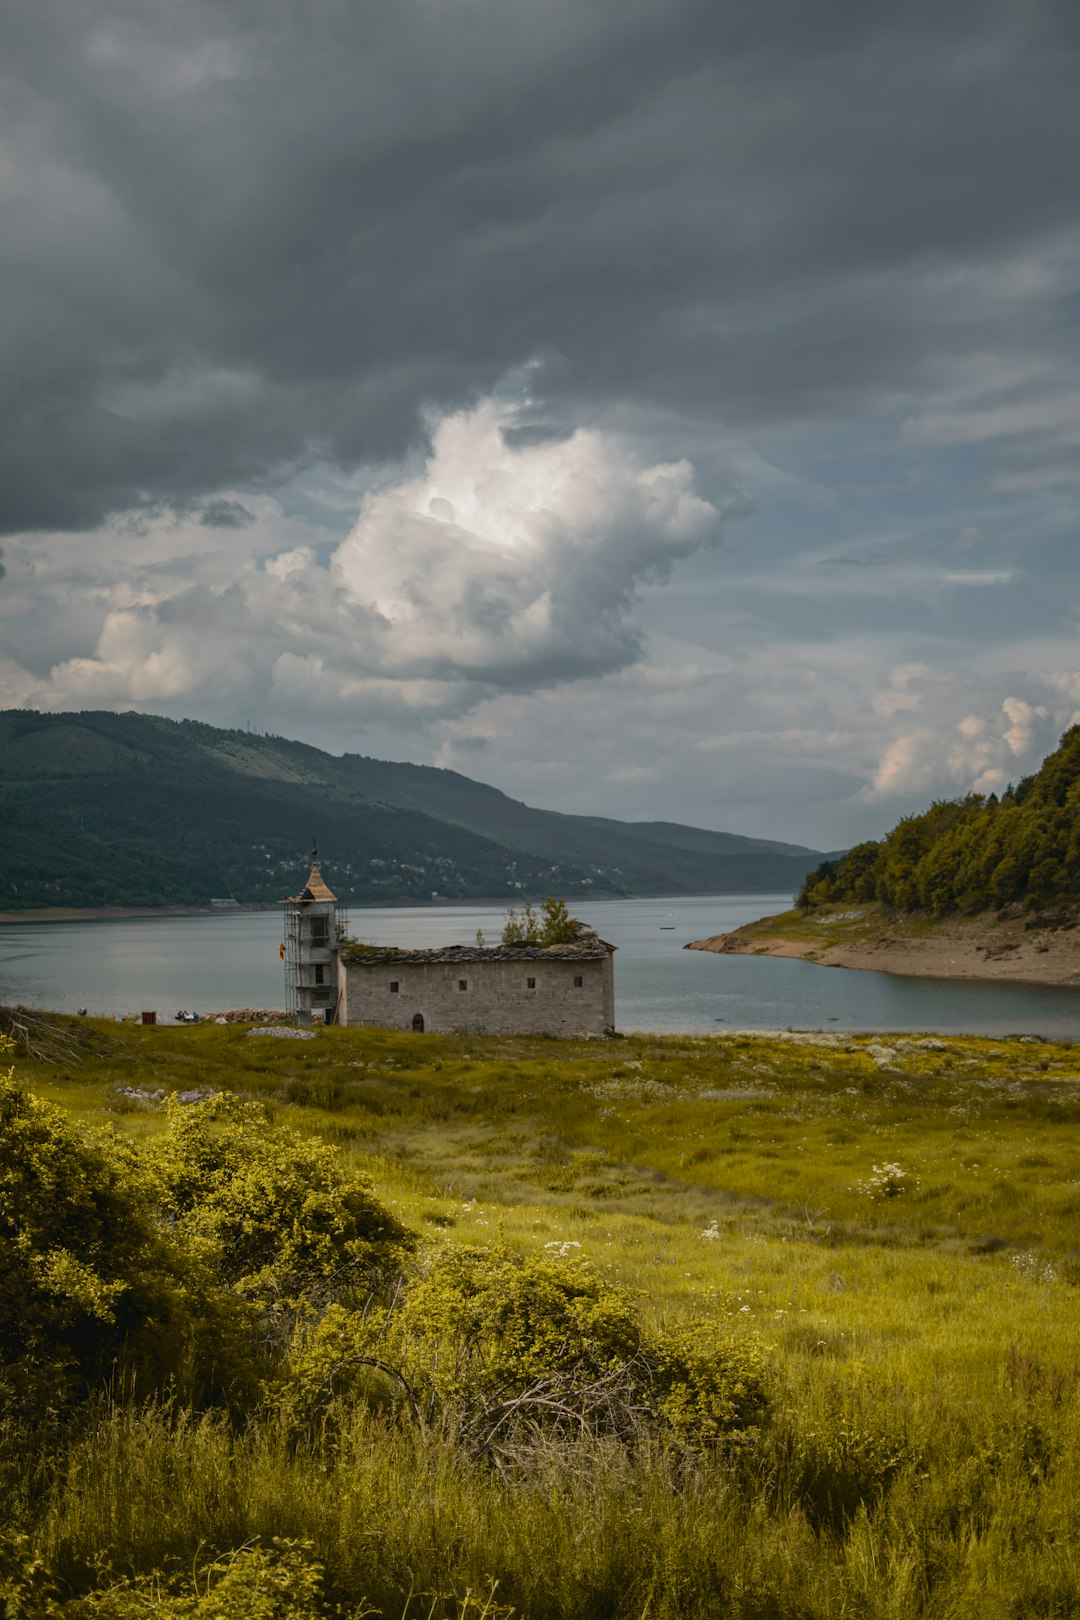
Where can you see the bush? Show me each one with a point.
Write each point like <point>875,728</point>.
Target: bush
<point>554,926</point>
<point>270,1212</point>
<point>279,1582</point>
<point>87,1281</point>
<point>164,1270</point>
<point>503,1351</point>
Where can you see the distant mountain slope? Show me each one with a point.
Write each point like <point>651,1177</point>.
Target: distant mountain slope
<point>697,839</point>
<point>100,809</point>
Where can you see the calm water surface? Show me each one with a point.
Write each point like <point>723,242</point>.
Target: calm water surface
<point>216,962</point>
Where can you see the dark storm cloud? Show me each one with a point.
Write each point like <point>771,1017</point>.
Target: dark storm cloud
<point>223,514</point>
<point>244,237</point>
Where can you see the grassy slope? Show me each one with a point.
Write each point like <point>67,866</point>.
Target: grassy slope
<point>923,1345</point>
<point>643,1137</point>
<point>854,926</point>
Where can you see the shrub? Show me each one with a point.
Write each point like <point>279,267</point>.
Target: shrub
<point>279,1582</point>
<point>25,1584</point>
<point>554,926</point>
<point>87,1281</point>
<point>270,1212</point>
<point>707,1390</point>
<point>503,1351</point>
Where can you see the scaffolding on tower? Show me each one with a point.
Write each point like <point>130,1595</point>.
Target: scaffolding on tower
<point>291,955</point>
<point>313,925</point>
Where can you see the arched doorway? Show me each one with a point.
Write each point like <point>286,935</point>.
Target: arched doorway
<point>418,1023</point>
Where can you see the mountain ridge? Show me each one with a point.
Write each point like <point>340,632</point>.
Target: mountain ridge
<point>106,809</point>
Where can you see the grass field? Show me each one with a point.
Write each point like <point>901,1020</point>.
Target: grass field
<point>894,1222</point>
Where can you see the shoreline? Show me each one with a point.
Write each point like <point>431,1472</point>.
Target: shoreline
<point>1015,950</point>
<point>56,914</point>
<point>124,913</point>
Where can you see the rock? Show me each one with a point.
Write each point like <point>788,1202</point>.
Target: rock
<point>284,1033</point>
<point>1052,919</point>
<point>250,1015</point>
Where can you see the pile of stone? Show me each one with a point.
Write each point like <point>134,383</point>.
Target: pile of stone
<point>250,1015</point>
<point>286,1034</point>
<point>154,1099</point>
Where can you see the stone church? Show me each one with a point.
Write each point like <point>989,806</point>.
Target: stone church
<point>475,989</point>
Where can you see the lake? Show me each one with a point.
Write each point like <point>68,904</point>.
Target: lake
<point>209,963</point>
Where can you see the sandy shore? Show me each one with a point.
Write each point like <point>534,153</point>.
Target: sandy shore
<point>1032,950</point>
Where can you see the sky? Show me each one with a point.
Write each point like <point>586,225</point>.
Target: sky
<point>666,409</point>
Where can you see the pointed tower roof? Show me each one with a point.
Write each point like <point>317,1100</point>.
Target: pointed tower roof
<point>314,889</point>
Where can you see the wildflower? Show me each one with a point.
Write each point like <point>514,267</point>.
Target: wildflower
<point>1029,1265</point>
<point>887,1181</point>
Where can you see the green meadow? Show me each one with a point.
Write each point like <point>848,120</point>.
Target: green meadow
<point>886,1228</point>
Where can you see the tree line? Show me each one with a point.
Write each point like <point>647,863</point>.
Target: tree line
<point>972,853</point>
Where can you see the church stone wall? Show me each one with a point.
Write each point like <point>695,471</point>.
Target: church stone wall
<point>568,997</point>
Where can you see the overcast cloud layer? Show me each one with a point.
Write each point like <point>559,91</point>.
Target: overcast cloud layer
<point>653,407</point>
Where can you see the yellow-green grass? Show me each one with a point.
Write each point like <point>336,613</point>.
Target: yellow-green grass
<point>730,1174</point>
<point>924,1448</point>
<point>854,924</point>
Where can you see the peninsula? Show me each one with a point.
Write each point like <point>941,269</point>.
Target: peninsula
<point>973,888</point>
<point>1041,948</point>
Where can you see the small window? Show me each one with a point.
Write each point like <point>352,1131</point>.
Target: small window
<point>320,995</point>
<point>320,931</point>
<point>320,974</point>
<point>463,984</point>
<point>578,981</point>
<point>394,987</point>
<point>530,984</point>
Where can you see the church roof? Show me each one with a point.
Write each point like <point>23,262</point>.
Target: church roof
<point>314,889</point>
<point>587,948</point>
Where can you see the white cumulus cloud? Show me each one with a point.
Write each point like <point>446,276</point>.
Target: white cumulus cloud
<point>517,564</point>
<point>979,752</point>
<point>498,566</point>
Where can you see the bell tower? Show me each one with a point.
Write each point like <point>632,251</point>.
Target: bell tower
<point>314,922</point>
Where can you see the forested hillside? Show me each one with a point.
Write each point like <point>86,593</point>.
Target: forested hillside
<point>972,853</point>
<point>100,809</point>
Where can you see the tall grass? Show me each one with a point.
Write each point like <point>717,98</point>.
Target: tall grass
<point>852,1504</point>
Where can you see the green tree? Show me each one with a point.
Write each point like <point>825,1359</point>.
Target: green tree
<point>557,927</point>
<point>554,925</point>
